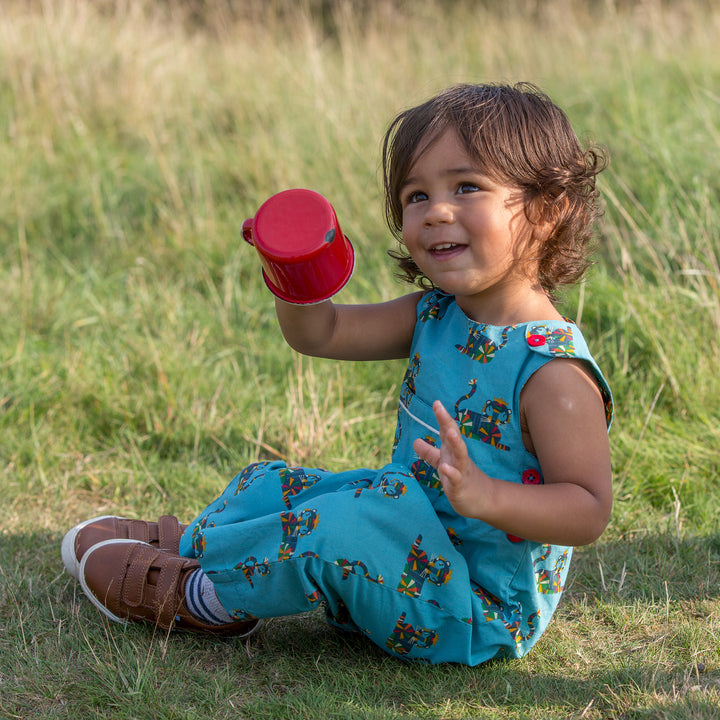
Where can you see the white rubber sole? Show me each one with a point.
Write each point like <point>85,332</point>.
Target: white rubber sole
<point>67,547</point>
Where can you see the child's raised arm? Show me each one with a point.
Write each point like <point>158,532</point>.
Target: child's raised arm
<point>381,331</point>
<point>565,419</point>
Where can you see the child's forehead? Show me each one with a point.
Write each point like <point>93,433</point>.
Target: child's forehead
<point>448,134</point>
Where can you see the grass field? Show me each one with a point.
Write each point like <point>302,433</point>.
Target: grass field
<point>142,364</point>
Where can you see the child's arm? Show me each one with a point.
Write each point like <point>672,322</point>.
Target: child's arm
<point>565,417</point>
<point>379,331</point>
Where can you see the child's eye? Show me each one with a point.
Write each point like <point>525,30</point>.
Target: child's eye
<point>467,187</point>
<point>414,197</point>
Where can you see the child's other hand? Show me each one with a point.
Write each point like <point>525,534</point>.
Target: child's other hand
<point>462,480</point>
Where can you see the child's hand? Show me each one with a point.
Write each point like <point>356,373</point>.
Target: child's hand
<point>462,480</point>
<point>566,421</point>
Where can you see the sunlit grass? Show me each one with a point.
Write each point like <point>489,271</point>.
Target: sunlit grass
<point>142,365</point>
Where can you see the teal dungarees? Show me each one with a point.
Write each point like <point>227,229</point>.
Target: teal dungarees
<point>383,551</point>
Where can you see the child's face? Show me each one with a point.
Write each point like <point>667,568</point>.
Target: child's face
<point>466,232</point>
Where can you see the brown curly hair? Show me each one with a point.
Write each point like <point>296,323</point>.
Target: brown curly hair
<point>518,137</point>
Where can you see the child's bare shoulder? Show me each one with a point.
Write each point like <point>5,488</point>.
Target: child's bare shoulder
<point>562,382</point>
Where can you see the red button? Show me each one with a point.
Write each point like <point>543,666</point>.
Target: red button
<point>531,477</point>
<point>536,340</point>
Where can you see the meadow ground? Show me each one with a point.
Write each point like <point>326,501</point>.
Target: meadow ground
<point>142,365</point>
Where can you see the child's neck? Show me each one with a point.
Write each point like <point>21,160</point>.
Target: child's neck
<point>509,308</point>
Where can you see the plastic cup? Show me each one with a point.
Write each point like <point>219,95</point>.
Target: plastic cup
<point>304,254</point>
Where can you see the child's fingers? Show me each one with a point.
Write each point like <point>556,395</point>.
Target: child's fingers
<point>452,452</point>
<point>449,474</point>
<point>442,415</point>
<point>451,480</point>
<point>445,421</point>
<point>429,453</point>
<point>454,442</point>
<point>449,432</point>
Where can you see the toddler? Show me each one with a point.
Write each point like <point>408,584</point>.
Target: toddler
<point>458,549</point>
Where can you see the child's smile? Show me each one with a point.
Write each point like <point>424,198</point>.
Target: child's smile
<point>444,251</point>
<point>468,233</point>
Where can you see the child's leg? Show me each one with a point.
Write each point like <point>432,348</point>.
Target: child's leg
<point>368,546</point>
<point>365,545</point>
<point>202,600</point>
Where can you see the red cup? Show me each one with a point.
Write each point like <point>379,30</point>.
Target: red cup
<point>304,254</point>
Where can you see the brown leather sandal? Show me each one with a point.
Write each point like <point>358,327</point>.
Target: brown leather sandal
<point>130,580</point>
<point>164,534</point>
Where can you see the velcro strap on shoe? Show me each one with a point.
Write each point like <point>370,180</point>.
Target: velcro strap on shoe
<point>169,533</point>
<point>139,561</point>
<point>139,531</point>
<point>167,592</point>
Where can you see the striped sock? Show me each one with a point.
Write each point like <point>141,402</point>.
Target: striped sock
<point>202,601</point>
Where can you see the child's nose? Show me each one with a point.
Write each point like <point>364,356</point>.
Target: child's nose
<point>439,212</point>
